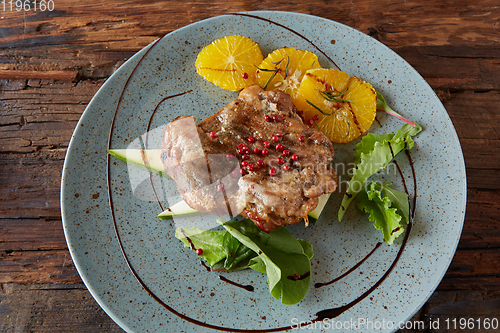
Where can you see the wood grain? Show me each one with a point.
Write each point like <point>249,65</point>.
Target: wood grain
<point>52,63</point>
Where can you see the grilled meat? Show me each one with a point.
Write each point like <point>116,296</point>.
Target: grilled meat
<point>255,158</point>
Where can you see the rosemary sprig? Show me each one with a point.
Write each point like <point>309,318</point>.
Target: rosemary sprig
<point>276,70</point>
<point>331,114</point>
<point>286,66</point>
<point>317,108</point>
<point>332,95</point>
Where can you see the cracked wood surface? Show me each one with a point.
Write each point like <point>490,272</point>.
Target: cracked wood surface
<point>52,63</point>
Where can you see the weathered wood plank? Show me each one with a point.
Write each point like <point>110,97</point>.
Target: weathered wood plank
<point>94,23</point>
<point>30,187</point>
<point>51,308</point>
<point>54,266</point>
<point>31,235</point>
<point>45,75</point>
<point>473,262</point>
<point>455,67</point>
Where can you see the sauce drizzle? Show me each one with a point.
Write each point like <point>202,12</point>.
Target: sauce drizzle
<point>319,284</point>
<point>246,287</point>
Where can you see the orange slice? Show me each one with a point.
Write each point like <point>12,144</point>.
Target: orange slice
<point>284,68</point>
<point>230,62</point>
<point>343,107</point>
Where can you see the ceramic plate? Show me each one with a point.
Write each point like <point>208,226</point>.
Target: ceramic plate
<point>163,287</point>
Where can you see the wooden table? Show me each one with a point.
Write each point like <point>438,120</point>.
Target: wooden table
<point>52,63</point>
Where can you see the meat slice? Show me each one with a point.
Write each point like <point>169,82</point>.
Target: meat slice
<point>254,158</point>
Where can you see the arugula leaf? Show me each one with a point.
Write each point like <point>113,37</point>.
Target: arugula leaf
<point>376,201</point>
<point>372,154</point>
<point>210,241</point>
<point>284,259</point>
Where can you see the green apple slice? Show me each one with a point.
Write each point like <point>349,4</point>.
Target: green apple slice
<point>149,159</point>
<point>322,200</point>
<point>179,209</point>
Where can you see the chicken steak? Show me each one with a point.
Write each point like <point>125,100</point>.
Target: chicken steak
<point>254,158</point>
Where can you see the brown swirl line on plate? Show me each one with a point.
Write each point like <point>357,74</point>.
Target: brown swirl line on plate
<point>322,284</point>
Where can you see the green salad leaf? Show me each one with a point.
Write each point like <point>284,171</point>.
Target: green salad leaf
<point>285,260</point>
<point>386,207</point>
<point>372,154</point>
<point>219,248</point>
<point>210,241</point>
<point>282,257</point>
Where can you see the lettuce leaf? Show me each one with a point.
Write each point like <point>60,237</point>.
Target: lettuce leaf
<point>386,207</point>
<point>285,259</point>
<point>372,154</point>
<point>210,241</point>
<point>220,249</point>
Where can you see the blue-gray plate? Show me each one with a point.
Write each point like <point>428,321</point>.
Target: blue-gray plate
<point>160,286</point>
